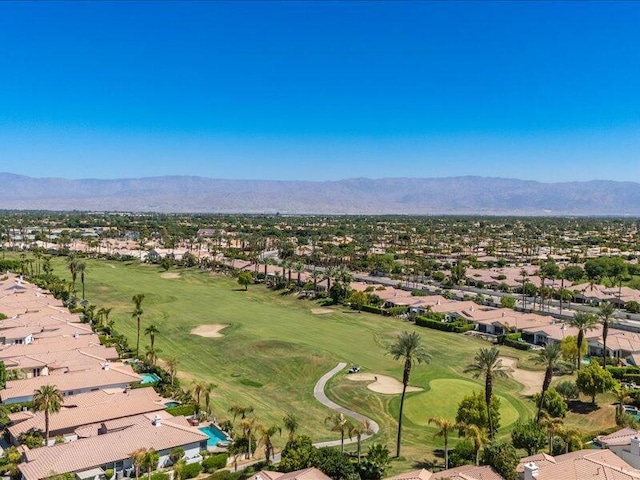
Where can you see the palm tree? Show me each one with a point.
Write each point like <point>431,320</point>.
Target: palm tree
<point>291,425</point>
<point>172,365</point>
<point>605,312</point>
<point>247,425</point>
<point>150,461</point>
<point>622,396</point>
<point>409,349</point>
<point>487,363</point>
<point>554,426</point>
<point>551,358</point>
<point>207,397</point>
<point>339,423</point>
<point>137,458</point>
<point>570,436</point>
<point>444,427</point>
<point>72,264</point>
<point>583,322</point>
<point>361,428</point>
<point>477,436</point>
<point>82,268</point>
<point>198,389</point>
<point>265,440</point>
<point>152,330</point>
<point>240,410</point>
<point>151,354</point>
<point>47,399</point>
<point>137,313</point>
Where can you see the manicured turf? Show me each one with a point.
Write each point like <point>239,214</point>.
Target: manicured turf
<point>275,349</point>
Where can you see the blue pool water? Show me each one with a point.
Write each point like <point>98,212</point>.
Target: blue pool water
<point>215,435</point>
<point>149,378</point>
<point>171,404</point>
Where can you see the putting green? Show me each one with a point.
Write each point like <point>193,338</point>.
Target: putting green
<point>442,398</point>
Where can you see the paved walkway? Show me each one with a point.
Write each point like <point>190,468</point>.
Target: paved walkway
<point>318,393</point>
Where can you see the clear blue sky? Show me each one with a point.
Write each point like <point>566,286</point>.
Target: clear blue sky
<point>322,91</point>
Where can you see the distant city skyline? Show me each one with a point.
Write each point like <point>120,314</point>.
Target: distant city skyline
<point>321,90</point>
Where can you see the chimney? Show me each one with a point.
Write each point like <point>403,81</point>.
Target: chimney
<point>105,366</point>
<point>530,471</point>
<point>635,445</point>
<point>76,334</point>
<point>157,421</point>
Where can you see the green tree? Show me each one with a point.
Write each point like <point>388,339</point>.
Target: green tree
<point>508,302</point>
<point>551,358</point>
<point>82,269</point>
<point>245,279</point>
<point>503,458</point>
<point>569,348</point>
<point>47,399</point>
<point>152,330</point>
<point>605,312</point>
<point>472,410</point>
<point>583,322</point>
<point>409,349</point>
<point>150,461</point>
<point>334,463</point>
<point>358,299</point>
<point>552,403</point>
<point>3,375</point>
<point>444,428</point>
<point>375,463</point>
<point>488,364</point>
<point>568,390</point>
<point>360,429</point>
<point>298,454</point>
<point>593,380</point>
<point>529,436</point>
<point>137,314</point>
<point>477,436</point>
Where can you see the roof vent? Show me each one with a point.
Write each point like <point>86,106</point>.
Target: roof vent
<point>76,334</point>
<point>105,365</point>
<point>157,421</point>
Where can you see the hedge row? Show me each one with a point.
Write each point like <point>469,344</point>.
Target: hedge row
<point>372,309</point>
<point>515,344</point>
<point>620,372</point>
<point>444,326</point>
<point>180,410</point>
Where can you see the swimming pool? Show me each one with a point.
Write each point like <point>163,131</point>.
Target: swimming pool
<point>215,435</point>
<point>172,404</point>
<point>149,378</point>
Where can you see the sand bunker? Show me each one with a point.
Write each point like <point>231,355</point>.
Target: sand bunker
<point>209,331</point>
<point>381,383</point>
<point>170,275</point>
<point>321,311</point>
<point>531,380</point>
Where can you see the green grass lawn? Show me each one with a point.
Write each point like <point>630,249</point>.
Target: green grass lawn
<point>275,350</point>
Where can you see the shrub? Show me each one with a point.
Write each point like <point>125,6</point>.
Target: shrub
<point>458,326</point>
<point>191,471</point>
<point>214,462</point>
<point>182,410</point>
<point>159,476</point>
<point>372,309</point>
<point>108,473</point>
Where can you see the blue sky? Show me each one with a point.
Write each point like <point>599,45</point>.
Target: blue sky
<point>321,91</point>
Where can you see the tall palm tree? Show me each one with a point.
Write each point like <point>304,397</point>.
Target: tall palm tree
<point>172,365</point>
<point>151,354</point>
<point>291,425</point>
<point>137,313</point>
<point>551,358</point>
<point>477,436</point>
<point>361,428</point>
<point>198,390</point>
<point>82,268</point>
<point>137,458</point>
<point>152,330</point>
<point>605,312</point>
<point>337,422</point>
<point>248,424</point>
<point>583,322</point>
<point>150,461</point>
<point>445,426</point>
<point>240,410</point>
<point>570,436</point>
<point>207,397</point>
<point>265,441</point>
<point>622,396</point>
<point>47,399</point>
<point>410,350</point>
<point>487,363</point>
<point>554,426</point>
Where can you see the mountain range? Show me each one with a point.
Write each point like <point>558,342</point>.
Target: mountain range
<point>403,196</point>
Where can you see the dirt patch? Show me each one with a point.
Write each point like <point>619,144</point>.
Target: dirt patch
<point>531,380</point>
<point>209,331</point>
<point>381,383</point>
<point>321,311</point>
<point>170,275</point>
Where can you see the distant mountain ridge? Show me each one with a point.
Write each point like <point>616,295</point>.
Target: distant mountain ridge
<point>403,196</point>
